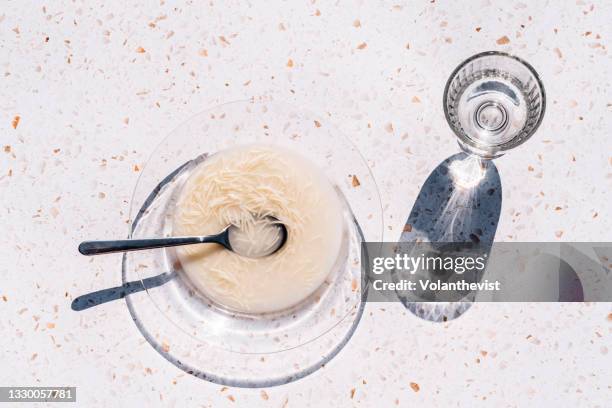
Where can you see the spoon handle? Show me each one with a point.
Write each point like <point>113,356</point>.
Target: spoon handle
<point>124,245</point>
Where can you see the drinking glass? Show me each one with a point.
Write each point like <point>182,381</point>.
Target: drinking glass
<point>493,102</point>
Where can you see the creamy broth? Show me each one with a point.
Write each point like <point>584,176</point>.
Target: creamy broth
<point>240,186</point>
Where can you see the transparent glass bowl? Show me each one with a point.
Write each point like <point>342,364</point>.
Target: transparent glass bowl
<point>493,102</point>
<point>205,339</point>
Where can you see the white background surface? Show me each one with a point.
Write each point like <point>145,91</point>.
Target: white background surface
<point>92,107</point>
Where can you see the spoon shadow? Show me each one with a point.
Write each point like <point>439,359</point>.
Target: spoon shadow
<point>99,297</point>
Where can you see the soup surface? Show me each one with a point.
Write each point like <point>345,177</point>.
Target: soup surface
<point>243,186</point>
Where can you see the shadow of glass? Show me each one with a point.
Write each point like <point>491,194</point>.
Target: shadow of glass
<point>459,202</point>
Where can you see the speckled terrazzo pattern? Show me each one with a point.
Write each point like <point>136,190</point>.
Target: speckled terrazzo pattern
<point>88,88</point>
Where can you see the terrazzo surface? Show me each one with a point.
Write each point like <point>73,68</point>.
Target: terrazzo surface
<point>87,89</point>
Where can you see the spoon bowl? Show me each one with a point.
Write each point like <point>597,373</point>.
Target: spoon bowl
<point>262,237</point>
